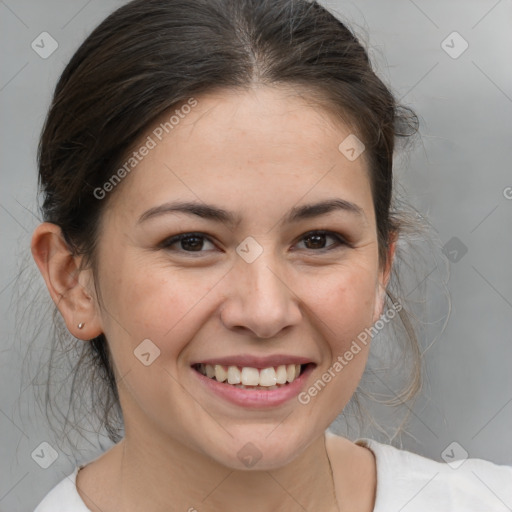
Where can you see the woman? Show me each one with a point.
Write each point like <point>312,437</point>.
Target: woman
<point>219,231</point>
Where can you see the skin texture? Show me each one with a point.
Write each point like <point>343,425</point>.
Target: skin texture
<point>256,153</point>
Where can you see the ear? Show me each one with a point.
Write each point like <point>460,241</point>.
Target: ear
<point>70,288</point>
<point>384,276</point>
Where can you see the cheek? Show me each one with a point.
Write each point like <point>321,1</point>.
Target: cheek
<point>345,304</point>
<point>343,317</point>
<point>162,307</point>
<point>148,302</point>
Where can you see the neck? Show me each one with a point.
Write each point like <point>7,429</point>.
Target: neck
<point>152,478</point>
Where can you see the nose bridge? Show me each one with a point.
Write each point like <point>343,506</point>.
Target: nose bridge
<point>265,291</point>
<point>256,259</point>
<point>259,298</point>
<point>265,281</point>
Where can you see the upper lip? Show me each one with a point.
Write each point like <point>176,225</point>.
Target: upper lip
<point>259,362</point>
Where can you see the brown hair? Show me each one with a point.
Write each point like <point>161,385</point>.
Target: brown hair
<point>150,56</point>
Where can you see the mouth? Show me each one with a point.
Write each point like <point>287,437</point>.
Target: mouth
<point>246,377</point>
<point>252,388</point>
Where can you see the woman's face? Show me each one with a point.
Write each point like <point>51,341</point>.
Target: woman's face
<point>262,285</point>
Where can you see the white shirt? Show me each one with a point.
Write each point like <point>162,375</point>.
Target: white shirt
<point>406,482</point>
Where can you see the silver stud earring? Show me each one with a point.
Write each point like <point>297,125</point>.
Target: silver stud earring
<point>80,325</point>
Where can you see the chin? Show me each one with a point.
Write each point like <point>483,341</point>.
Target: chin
<point>258,448</point>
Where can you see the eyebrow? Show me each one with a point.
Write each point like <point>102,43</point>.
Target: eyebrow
<point>214,213</point>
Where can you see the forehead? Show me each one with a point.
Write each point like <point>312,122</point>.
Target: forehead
<point>231,142</point>
<point>273,119</point>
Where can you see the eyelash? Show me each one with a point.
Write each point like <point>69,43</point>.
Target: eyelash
<point>168,242</point>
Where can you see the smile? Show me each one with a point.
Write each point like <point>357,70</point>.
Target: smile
<point>265,388</point>
<point>249,377</point>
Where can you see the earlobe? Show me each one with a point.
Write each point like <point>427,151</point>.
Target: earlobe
<point>60,270</point>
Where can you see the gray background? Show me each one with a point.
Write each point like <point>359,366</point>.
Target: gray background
<point>458,175</point>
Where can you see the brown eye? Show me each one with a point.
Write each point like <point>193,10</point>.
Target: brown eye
<point>317,240</point>
<point>188,242</point>
<point>192,243</point>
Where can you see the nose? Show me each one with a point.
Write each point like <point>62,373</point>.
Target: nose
<point>259,299</point>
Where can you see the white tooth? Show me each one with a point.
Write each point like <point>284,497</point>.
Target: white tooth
<point>220,373</point>
<point>281,374</point>
<point>250,376</point>
<point>233,375</point>
<point>268,377</point>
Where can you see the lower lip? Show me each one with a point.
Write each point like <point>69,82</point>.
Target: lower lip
<point>256,398</point>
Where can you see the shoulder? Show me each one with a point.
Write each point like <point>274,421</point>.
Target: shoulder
<point>408,481</point>
<point>63,497</point>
